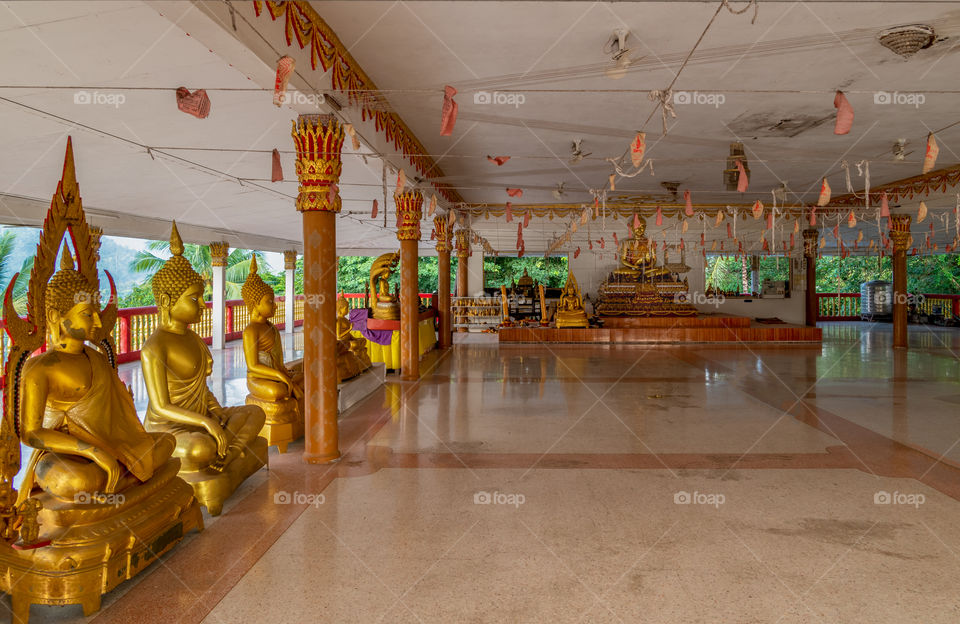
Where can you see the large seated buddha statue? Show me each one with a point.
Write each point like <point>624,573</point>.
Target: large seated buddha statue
<point>570,312</point>
<point>218,446</point>
<point>100,498</point>
<point>639,258</point>
<point>275,386</point>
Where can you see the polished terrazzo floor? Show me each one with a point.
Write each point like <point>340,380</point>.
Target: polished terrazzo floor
<point>560,483</point>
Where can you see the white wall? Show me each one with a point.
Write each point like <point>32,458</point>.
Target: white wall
<point>475,272</point>
<point>590,270</point>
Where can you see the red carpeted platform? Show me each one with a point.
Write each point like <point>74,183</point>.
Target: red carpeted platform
<point>703,329</point>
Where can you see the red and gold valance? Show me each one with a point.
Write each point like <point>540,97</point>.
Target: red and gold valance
<point>326,49</point>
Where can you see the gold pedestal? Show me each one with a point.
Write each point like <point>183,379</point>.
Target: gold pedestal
<point>386,311</point>
<point>572,320</point>
<point>212,488</point>
<point>284,422</point>
<point>95,547</point>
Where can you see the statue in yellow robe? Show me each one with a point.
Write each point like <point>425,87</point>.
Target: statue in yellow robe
<point>218,446</point>
<point>275,386</point>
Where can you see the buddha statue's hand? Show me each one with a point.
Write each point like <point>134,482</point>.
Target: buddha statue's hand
<point>109,465</point>
<point>212,425</point>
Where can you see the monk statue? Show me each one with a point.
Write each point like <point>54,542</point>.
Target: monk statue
<point>386,305</point>
<point>356,346</point>
<point>100,498</point>
<point>639,258</point>
<point>275,386</point>
<point>219,447</point>
<point>570,312</point>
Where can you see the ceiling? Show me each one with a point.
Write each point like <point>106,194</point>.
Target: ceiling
<point>769,84</point>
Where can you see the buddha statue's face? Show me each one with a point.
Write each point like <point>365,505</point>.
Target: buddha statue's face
<point>76,326</point>
<point>188,308</point>
<point>266,306</point>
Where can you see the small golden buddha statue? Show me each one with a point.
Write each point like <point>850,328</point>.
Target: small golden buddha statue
<point>570,312</point>
<point>100,498</point>
<point>219,447</point>
<point>639,258</point>
<point>386,305</point>
<point>356,346</point>
<point>275,386</point>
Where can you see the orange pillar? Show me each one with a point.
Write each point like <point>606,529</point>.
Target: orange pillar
<point>810,255</point>
<point>318,140</point>
<point>409,211</point>
<point>443,281</point>
<point>900,235</point>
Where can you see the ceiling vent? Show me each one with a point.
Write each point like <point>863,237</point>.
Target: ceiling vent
<point>907,40</point>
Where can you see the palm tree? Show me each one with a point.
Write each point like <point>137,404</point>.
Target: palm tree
<point>7,245</point>
<point>238,263</point>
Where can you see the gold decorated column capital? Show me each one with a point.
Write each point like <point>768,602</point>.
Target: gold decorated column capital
<point>900,232</point>
<point>409,212</point>
<point>219,250</point>
<point>463,243</point>
<point>290,260</point>
<point>810,237</point>
<point>318,139</point>
<point>442,229</point>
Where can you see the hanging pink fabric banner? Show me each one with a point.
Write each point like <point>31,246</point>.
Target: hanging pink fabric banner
<point>844,114</point>
<point>509,212</point>
<point>637,148</point>
<point>526,218</point>
<point>276,171</point>
<point>743,182</point>
<point>515,192</point>
<point>824,198</point>
<point>884,205</point>
<point>376,208</point>
<point>930,159</point>
<point>498,160</point>
<point>448,115</point>
<point>285,67</point>
<point>688,209</point>
<point>659,216</point>
<point>196,103</point>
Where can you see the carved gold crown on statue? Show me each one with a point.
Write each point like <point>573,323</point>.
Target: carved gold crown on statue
<point>318,139</point>
<point>29,334</point>
<point>254,288</point>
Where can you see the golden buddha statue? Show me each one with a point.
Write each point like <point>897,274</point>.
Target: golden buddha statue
<point>386,305</point>
<point>275,386</point>
<point>218,447</point>
<point>100,497</point>
<point>639,258</point>
<point>356,346</point>
<point>570,312</point>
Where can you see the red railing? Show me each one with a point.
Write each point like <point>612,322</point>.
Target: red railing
<point>134,325</point>
<point>846,306</point>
